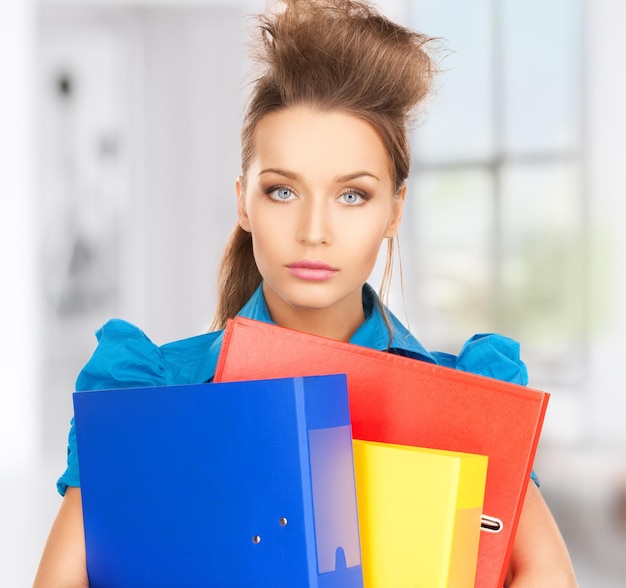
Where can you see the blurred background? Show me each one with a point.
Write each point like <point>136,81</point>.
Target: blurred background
<point>119,147</point>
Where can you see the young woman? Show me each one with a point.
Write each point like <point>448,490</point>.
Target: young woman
<point>325,158</point>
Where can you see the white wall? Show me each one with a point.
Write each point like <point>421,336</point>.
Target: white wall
<point>19,345</point>
<point>18,316</point>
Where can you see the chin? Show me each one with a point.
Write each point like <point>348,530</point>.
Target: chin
<point>309,304</point>
<point>314,296</point>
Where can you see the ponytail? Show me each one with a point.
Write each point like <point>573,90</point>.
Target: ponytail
<point>238,277</point>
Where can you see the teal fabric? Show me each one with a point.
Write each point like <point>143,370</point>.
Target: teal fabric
<point>126,358</point>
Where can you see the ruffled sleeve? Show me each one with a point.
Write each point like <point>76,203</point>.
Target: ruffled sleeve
<point>494,356</point>
<point>124,358</point>
<point>491,355</point>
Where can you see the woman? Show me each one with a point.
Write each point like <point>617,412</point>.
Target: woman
<point>325,158</point>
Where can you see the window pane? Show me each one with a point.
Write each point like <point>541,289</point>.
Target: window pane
<point>541,49</point>
<point>543,266</point>
<point>459,117</point>
<point>450,239</point>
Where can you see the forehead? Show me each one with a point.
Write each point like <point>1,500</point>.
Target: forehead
<point>303,139</point>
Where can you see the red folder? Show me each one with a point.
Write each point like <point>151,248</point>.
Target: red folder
<point>399,400</point>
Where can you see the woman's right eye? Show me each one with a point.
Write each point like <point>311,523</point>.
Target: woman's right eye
<point>281,194</point>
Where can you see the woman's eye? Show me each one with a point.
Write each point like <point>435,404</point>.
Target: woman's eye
<point>352,198</point>
<point>281,194</point>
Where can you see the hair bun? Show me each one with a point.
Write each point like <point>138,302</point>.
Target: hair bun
<point>342,54</point>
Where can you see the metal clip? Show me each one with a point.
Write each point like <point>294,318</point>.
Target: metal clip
<point>490,524</point>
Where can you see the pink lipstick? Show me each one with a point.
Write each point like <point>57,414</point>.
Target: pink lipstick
<point>315,271</point>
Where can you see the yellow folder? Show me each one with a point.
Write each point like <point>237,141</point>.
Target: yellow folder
<point>419,515</point>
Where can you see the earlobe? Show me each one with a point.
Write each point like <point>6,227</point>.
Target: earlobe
<point>242,214</point>
<point>396,219</point>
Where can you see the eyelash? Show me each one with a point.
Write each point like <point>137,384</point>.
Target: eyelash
<point>363,195</point>
<point>269,191</point>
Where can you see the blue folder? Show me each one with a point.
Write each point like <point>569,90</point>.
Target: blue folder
<point>227,485</point>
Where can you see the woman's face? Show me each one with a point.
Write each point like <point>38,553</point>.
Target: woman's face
<point>319,199</point>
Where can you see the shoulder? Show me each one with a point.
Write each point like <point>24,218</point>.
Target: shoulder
<point>486,354</point>
<point>126,357</point>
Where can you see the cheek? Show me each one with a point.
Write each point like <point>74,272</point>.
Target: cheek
<point>368,233</point>
<point>364,243</point>
<point>261,223</point>
<point>267,235</point>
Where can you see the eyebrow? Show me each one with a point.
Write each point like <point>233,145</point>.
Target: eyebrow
<point>298,178</point>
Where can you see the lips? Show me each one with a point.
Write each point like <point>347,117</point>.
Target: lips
<point>315,271</point>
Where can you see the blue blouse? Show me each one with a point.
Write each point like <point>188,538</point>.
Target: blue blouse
<point>126,358</point>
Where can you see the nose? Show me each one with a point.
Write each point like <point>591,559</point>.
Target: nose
<point>314,223</point>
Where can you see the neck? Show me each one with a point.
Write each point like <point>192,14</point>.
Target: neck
<point>338,322</point>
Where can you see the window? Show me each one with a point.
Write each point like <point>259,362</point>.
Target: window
<point>495,222</point>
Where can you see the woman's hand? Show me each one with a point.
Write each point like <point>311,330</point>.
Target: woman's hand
<point>63,563</point>
<point>539,558</point>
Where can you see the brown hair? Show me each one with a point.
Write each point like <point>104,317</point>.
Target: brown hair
<point>337,55</point>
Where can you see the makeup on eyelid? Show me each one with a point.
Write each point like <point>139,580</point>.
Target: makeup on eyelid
<point>274,191</point>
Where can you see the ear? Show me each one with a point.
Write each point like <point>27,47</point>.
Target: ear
<point>396,219</point>
<point>242,213</point>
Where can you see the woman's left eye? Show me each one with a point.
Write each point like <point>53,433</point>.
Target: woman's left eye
<point>352,197</point>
